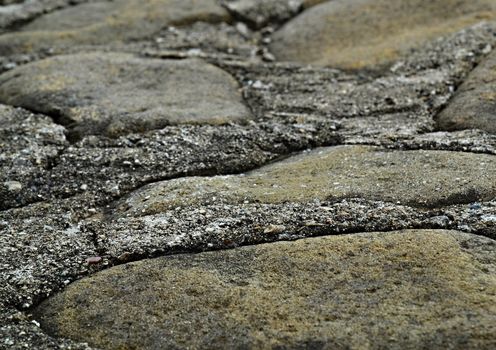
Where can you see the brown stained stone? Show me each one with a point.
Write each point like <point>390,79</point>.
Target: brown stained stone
<point>109,21</point>
<point>356,34</point>
<point>417,289</point>
<point>474,105</point>
<point>113,93</point>
<point>419,178</point>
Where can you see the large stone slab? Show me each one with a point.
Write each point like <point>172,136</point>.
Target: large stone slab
<point>371,33</point>
<point>419,178</point>
<point>109,21</point>
<point>474,105</point>
<point>406,289</point>
<point>113,93</point>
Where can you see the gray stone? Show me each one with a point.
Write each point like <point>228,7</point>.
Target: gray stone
<point>259,13</point>
<point>417,178</point>
<point>474,105</point>
<point>406,289</point>
<point>116,94</point>
<point>369,33</point>
<point>109,21</point>
<point>72,206</point>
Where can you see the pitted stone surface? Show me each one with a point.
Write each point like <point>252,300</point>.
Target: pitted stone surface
<point>109,172</point>
<point>474,104</point>
<point>371,33</point>
<point>434,288</point>
<point>112,94</point>
<point>418,178</point>
<point>108,21</point>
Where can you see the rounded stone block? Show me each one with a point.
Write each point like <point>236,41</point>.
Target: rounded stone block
<point>417,178</point>
<point>474,105</point>
<point>372,33</point>
<point>103,22</point>
<point>115,93</point>
<point>409,289</point>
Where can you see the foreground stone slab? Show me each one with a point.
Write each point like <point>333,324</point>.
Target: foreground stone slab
<point>113,93</point>
<point>371,33</point>
<point>474,104</point>
<point>109,21</point>
<point>419,178</point>
<point>410,289</point>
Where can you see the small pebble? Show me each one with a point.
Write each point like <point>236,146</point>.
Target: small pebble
<point>94,260</point>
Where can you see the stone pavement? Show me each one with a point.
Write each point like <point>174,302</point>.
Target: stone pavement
<point>247,174</point>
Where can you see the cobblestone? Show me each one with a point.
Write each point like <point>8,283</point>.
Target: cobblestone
<point>204,133</point>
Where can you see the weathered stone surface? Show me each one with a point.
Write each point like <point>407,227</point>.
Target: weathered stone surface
<point>406,289</point>
<point>108,21</point>
<point>262,12</point>
<point>63,199</point>
<point>370,33</point>
<point>474,105</point>
<point>115,93</point>
<point>29,145</point>
<point>418,178</point>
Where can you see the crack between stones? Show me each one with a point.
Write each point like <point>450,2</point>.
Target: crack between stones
<point>414,147</point>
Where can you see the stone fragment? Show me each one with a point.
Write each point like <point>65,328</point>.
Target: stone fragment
<point>113,93</point>
<point>418,178</point>
<point>414,289</point>
<point>102,22</point>
<point>474,105</point>
<point>371,33</point>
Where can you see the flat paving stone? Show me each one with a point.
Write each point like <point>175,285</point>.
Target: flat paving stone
<point>114,93</point>
<point>371,33</point>
<point>418,178</point>
<point>406,289</point>
<point>474,104</point>
<point>109,21</point>
<point>128,127</point>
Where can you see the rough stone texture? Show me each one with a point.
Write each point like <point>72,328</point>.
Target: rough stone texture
<point>15,13</point>
<point>370,33</point>
<point>259,13</point>
<point>9,2</point>
<point>62,184</point>
<point>107,21</point>
<point>474,104</point>
<point>114,94</point>
<point>418,178</point>
<point>413,289</point>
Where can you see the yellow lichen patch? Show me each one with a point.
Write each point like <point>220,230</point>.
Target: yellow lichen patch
<point>373,290</point>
